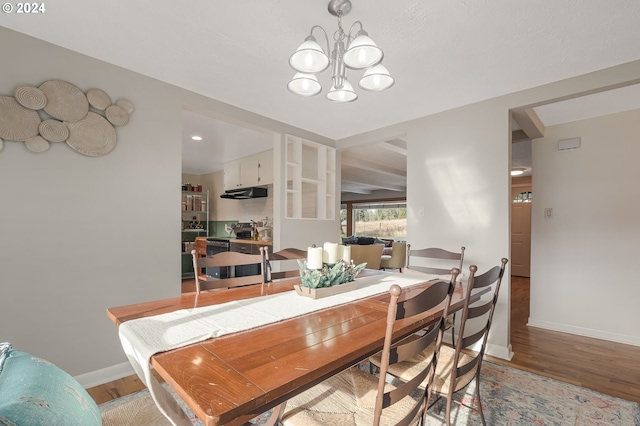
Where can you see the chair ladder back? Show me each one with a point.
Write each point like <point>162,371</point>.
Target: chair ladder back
<point>490,277</point>
<point>435,295</point>
<point>226,260</point>
<point>287,254</point>
<point>461,371</point>
<point>434,253</point>
<point>422,301</point>
<point>414,344</point>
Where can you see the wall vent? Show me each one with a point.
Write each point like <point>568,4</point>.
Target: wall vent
<point>572,143</point>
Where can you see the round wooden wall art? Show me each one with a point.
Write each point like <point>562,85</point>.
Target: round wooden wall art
<point>93,135</point>
<point>58,111</point>
<point>17,123</point>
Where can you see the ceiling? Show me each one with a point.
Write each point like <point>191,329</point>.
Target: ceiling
<point>442,54</point>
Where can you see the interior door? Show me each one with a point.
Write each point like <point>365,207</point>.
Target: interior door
<point>521,231</point>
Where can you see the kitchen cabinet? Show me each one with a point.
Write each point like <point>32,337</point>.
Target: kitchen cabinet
<point>265,170</point>
<point>311,180</point>
<point>249,246</point>
<point>246,172</point>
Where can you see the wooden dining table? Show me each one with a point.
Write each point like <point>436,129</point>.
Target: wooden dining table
<point>230,379</point>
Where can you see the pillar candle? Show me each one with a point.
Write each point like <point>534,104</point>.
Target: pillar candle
<point>330,254</point>
<point>314,257</point>
<point>346,254</point>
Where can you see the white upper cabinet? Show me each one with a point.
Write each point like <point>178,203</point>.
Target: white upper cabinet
<point>265,174</point>
<point>246,172</point>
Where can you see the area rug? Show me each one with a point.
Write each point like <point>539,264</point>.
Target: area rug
<point>510,397</point>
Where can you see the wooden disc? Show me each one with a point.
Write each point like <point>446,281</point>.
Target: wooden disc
<point>31,97</point>
<point>37,144</point>
<point>64,100</point>
<point>17,123</point>
<point>98,99</point>
<point>53,131</point>
<point>126,104</point>
<point>93,135</point>
<point>117,115</point>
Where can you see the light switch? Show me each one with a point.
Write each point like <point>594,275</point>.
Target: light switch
<point>420,211</point>
<point>548,213</point>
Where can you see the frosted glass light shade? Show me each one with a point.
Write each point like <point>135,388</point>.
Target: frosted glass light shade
<point>304,84</point>
<point>346,94</point>
<point>376,79</point>
<point>309,58</point>
<point>362,53</point>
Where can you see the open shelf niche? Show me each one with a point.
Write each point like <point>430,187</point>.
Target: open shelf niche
<point>311,180</point>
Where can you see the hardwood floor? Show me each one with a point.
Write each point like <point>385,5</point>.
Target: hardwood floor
<point>607,367</point>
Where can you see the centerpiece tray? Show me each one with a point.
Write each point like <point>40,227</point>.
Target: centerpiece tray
<point>320,292</point>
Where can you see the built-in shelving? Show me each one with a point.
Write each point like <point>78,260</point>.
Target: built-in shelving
<point>311,179</point>
<point>195,223</point>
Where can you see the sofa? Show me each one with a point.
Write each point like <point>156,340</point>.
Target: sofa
<point>388,260</point>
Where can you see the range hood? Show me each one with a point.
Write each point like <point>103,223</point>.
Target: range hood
<point>245,193</point>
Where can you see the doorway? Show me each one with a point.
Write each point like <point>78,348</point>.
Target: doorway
<point>521,199</point>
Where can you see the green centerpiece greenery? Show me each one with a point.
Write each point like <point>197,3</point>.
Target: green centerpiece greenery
<point>330,275</point>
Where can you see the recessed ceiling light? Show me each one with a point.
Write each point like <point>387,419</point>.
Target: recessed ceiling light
<point>196,138</point>
<point>517,172</point>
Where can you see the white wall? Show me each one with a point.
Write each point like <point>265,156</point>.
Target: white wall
<point>464,192</point>
<point>583,279</point>
<point>80,234</point>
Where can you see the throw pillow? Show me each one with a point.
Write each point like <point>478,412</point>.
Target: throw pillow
<point>387,243</point>
<point>34,392</point>
<point>349,240</point>
<point>365,241</point>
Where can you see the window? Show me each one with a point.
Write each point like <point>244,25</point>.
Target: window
<point>380,219</point>
<point>523,197</point>
<point>343,220</point>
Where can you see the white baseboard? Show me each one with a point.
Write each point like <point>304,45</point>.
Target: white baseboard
<point>105,375</point>
<point>587,332</point>
<point>503,352</point>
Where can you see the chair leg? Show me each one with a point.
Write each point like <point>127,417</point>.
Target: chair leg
<point>448,413</point>
<point>453,330</point>
<point>478,398</point>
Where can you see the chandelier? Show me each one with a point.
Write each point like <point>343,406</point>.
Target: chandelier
<point>360,53</point>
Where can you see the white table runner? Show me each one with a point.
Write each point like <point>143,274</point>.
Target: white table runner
<point>142,338</point>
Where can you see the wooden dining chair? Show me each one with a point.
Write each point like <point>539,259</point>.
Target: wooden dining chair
<point>458,367</point>
<point>286,261</point>
<point>355,397</point>
<point>436,261</point>
<point>226,259</point>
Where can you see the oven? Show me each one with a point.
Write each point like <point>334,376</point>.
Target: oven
<point>247,248</point>
<point>215,246</point>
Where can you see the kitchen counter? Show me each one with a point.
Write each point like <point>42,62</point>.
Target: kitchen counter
<point>258,242</point>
